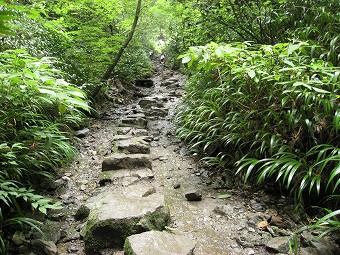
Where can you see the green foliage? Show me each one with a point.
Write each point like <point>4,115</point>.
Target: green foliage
<point>37,110</point>
<point>271,110</point>
<point>262,22</point>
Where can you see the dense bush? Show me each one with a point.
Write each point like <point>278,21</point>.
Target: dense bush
<point>269,112</point>
<point>37,109</point>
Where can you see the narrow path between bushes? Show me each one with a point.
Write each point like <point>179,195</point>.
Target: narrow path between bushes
<point>133,176</point>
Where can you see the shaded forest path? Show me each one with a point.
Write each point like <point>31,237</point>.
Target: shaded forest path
<point>132,175</point>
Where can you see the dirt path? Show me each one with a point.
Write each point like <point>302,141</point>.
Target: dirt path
<point>218,226</point>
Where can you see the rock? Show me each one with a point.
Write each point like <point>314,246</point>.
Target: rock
<point>18,238</point>
<point>122,137</point>
<point>82,133</point>
<point>157,112</point>
<point>114,217</point>
<point>252,239</point>
<point>139,132</point>
<point>47,247</point>
<point>278,244</point>
<point>257,207</point>
<point>51,230</point>
<point>133,146</point>
<point>279,222</point>
<point>148,102</point>
<point>82,213</point>
<point>137,120</point>
<point>123,130</point>
<point>115,175</point>
<point>193,195</point>
<point>145,83</point>
<point>224,210</point>
<point>323,245</point>
<point>139,190</point>
<point>177,185</point>
<point>156,242</point>
<point>126,161</point>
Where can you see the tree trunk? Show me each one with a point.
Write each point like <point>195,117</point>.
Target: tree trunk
<point>111,67</point>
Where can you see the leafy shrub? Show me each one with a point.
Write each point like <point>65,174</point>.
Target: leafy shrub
<point>37,110</point>
<point>271,111</point>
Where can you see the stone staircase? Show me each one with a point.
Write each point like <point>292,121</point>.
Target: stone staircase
<point>136,217</point>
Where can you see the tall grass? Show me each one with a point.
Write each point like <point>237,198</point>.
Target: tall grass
<point>269,112</point>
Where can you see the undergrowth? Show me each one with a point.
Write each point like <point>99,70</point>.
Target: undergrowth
<point>270,112</point>
<point>37,111</point>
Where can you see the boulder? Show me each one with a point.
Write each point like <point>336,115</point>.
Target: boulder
<point>156,242</point>
<point>114,217</point>
<point>126,161</point>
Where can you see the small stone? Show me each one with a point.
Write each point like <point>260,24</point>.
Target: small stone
<point>82,212</point>
<point>47,247</point>
<point>82,133</point>
<point>177,185</point>
<point>257,207</point>
<point>278,244</point>
<point>193,195</point>
<point>18,238</point>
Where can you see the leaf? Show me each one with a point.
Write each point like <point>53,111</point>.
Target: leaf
<point>186,59</point>
<point>251,73</point>
<point>224,196</point>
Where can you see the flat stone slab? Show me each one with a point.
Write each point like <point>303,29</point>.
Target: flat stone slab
<point>115,175</point>
<point>135,120</point>
<point>148,102</point>
<point>118,161</point>
<point>133,146</point>
<point>114,217</point>
<point>157,112</point>
<point>156,242</point>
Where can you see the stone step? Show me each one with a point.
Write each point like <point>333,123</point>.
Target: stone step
<point>157,242</point>
<point>133,146</point>
<point>115,175</point>
<point>134,120</point>
<point>118,161</point>
<point>114,217</point>
<point>157,112</point>
<point>148,102</point>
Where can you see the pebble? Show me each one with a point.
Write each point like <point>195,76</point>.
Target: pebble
<point>177,185</point>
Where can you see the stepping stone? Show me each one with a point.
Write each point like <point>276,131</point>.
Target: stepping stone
<point>133,146</point>
<point>114,217</point>
<point>139,132</point>
<point>148,102</point>
<point>157,112</point>
<point>115,175</point>
<point>136,120</point>
<point>156,242</point>
<point>126,161</point>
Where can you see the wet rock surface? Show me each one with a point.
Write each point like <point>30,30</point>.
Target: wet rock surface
<point>155,242</point>
<point>133,176</point>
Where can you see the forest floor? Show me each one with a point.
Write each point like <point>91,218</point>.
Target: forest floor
<point>230,218</point>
